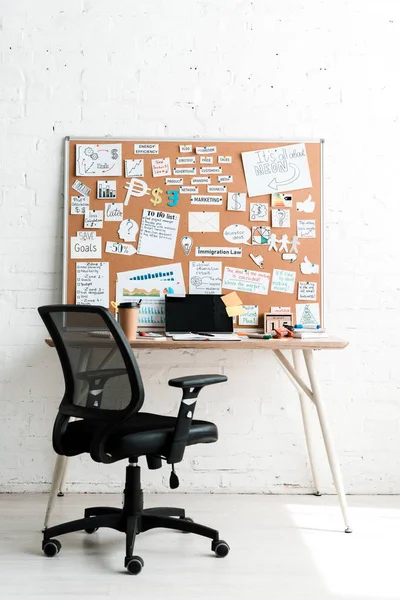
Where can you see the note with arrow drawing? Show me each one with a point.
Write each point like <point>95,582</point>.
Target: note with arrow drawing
<point>272,170</point>
<point>97,160</point>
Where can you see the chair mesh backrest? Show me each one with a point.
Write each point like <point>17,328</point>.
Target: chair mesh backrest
<point>101,373</point>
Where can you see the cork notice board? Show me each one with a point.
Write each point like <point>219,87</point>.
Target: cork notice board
<point>286,245</point>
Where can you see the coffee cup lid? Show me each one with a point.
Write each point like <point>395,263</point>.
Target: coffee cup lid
<point>128,305</point>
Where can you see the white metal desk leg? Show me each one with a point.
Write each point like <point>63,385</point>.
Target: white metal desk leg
<point>305,413</point>
<point>326,434</point>
<point>58,471</point>
<point>60,492</point>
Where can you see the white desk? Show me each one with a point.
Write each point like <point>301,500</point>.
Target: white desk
<point>307,391</point>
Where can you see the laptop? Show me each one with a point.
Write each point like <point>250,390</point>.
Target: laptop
<point>197,316</point>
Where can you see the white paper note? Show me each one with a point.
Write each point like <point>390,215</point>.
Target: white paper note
<point>113,211</point>
<point>307,290</point>
<point>158,233</point>
<point>146,149</point>
<point>281,200</point>
<point>128,230</point>
<point>306,206</point>
<point>106,189</point>
<point>237,201</point>
<point>186,160</point>
<point>258,211</point>
<point>283,281</point>
<point>206,149</point>
<point>210,170</point>
<point>276,169</point>
<point>218,252</point>
<point>211,200</point>
<point>174,181</point>
<point>206,160</point>
<point>81,188</point>
<point>185,171</point>
<point>188,189</point>
<point>205,277</point>
<point>200,180</point>
<point>93,219</point>
<point>225,179</point>
<point>185,148</point>
<point>98,160</point>
<point>119,248</point>
<point>308,268</point>
<point>85,248</point>
<point>216,189</point>
<point>203,222</point>
<point>306,228</point>
<point>237,234</point>
<point>250,316</point>
<point>79,204</point>
<point>225,159</point>
<point>161,167</point>
<point>243,280</point>
<point>280,217</point>
<point>134,168</point>
<point>307,314</point>
<point>92,280</point>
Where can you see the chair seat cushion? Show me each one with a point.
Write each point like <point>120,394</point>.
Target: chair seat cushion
<point>142,434</point>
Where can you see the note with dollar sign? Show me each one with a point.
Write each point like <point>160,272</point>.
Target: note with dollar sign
<point>156,193</point>
<point>237,201</point>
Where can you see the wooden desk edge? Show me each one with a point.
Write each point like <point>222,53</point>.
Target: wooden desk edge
<point>246,344</point>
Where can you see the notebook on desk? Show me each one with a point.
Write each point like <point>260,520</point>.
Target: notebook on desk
<point>198,317</point>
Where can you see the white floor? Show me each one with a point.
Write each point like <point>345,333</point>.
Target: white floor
<point>282,548</point>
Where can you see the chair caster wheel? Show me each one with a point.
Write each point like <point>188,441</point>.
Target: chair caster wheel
<point>220,548</point>
<point>51,547</point>
<point>134,564</point>
<point>188,520</point>
<point>92,530</point>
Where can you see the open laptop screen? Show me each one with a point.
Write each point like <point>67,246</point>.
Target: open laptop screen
<point>196,312</point>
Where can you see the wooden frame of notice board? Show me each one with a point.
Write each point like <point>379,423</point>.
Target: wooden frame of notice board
<point>305,205</point>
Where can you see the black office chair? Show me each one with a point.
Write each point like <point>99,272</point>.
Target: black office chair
<point>104,393</point>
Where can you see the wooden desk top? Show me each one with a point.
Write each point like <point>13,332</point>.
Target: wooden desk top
<point>81,340</point>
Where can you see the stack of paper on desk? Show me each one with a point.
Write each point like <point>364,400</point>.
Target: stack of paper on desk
<point>215,337</point>
<point>311,334</point>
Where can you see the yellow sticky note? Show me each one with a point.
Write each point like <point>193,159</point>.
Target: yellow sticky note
<point>231,299</point>
<point>233,311</point>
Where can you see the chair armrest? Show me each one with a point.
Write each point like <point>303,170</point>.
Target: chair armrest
<point>100,374</point>
<point>191,386</point>
<point>196,381</point>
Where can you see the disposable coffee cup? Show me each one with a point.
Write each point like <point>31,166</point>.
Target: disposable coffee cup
<point>128,318</point>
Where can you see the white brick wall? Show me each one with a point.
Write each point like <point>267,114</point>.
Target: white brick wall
<point>226,69</point>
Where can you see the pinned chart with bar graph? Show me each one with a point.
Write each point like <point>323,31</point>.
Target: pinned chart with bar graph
<point>106,189</point>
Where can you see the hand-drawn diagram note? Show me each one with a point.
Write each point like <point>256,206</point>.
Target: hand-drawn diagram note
<point>97,160</point>
<point>134,168</point>
<point>158,233</point>
<point>92,283</point>
<point>276,169</point>
<point>306,228</point>
<point>205,277</point>
<point>308,314</point>
<point>242,280</point>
